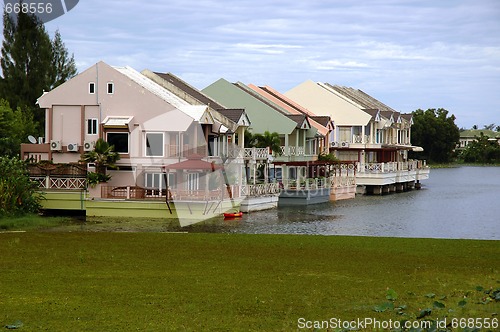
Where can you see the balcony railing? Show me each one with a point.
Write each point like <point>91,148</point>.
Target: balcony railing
<point>69,183</point>
<point>256,153</point>
<point>390,167</point>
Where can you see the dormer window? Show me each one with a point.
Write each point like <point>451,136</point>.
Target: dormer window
<point>91,88</point>
<point>111,88</point>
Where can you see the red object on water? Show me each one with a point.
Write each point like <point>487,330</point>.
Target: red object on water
<point>233,214</point>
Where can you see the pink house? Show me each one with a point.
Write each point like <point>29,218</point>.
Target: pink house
<point>149,127</point>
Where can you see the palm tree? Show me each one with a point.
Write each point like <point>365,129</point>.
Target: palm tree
<point>103,156</point>
<point>269,140</point>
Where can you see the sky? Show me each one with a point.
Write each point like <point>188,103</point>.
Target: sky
<point>407,54</point>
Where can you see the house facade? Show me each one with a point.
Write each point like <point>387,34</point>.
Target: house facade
<point>468,136</point>
<point>150,127</point>
<point>367,132</point>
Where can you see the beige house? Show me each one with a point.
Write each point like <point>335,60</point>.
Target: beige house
<point>367,132</point>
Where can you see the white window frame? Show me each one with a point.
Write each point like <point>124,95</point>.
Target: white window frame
<point>162,185</point>
<point>193,181</point>
<point>162,144</point>
<point>93,121</point>
<point>92,84</point>
<point>112,85</point>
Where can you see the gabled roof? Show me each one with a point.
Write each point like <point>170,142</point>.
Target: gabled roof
<point>361,98</point>
<point>375,113</point>
<point>289,106</point>
<point>322,100</point>
<point>237,115</point>
<point>284,99</point>
<point>263,117</point>
<point>323,120</point>
<point>193,96</point>
<point>301,120</point>
<point>477,132</point>
<point>152,87</point>
<point>190,90</point>
<point>408,117</point>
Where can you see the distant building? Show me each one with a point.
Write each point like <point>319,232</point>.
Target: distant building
<point>468,136</point>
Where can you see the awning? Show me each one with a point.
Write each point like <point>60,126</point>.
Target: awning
<point>418,149</point>
<point>219,128</point>
<point>117,121</point>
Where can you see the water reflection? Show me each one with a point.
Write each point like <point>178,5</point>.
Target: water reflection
<point>454,203</point>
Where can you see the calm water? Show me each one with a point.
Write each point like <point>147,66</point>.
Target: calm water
<point>454,203</point>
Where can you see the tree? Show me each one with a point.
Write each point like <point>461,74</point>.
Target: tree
<point>15,126</point>
<point>481,150</point>
<point>104,156</point>
<point>31,63</point>
<point>63,66</point>
<point>26,61</point>
<point>18,194</point>
<point>269,140</point>
<point>490,126</point>
<point>436,132</point>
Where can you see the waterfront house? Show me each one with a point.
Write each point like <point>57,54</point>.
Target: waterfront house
<point>367,132</point>
<point>150,127</point>
<point>302,136</point>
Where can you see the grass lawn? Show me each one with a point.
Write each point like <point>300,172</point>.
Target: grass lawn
<point>109,281</point>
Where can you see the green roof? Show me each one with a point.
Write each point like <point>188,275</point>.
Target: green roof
<point>262,117</point>
<point>477,132</point>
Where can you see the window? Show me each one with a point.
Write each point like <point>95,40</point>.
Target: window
<point>91,88</point>
<point>193,181</point>
<point>154,145</point>
<point>213,146</point>
<point>111,88</point>
<point>157,181</point>
<point>91,126</point>
<point>345,134</point>
<point>119,141</point>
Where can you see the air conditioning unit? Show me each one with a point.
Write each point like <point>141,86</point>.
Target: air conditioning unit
<point>344,144</point>
<point>55,145</point>
<point>334,144</point>
<point>88,145</point>
<point>73,147</point>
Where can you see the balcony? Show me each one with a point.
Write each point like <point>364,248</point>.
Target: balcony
<point>35,152</point>
<point>380,174</point>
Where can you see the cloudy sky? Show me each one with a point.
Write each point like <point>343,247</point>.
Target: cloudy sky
<point>408,54</point>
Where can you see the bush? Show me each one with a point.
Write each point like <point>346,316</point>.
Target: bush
<point>18,194</point>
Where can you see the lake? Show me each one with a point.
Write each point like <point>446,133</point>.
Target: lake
<point>455,203</point>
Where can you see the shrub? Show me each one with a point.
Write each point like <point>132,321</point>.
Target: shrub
<point>17,192</point>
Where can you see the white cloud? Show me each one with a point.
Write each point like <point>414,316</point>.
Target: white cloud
<point>410,54</point>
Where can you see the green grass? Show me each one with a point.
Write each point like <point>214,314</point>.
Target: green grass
<point>31,222</point>
<point>109,281</point>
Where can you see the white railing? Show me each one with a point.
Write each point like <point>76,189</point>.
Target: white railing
<point>292,151</point>
<point>343,181</point>
<point>263,189</point>
<point>49,182</point>
<point>390,167</point>
<point>357,139</point>
<point>235,152</point>
<point>256,153</point>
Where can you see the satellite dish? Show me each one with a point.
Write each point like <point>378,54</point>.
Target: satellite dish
<point>32,139</point>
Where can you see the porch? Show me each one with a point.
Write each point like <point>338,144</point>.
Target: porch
<point>379,178</point>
